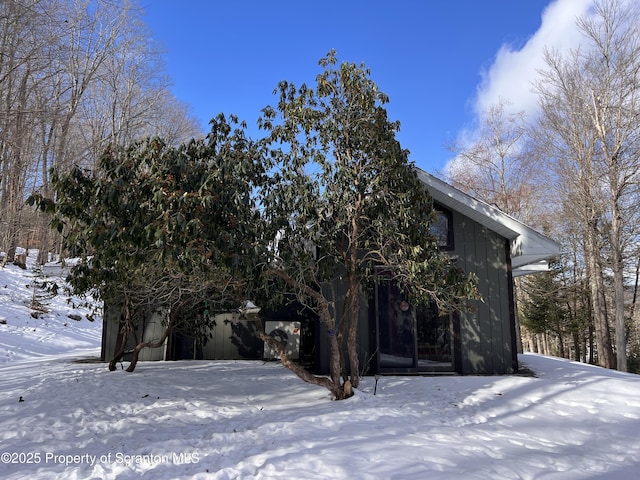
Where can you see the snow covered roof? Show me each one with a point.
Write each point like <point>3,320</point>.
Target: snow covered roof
<point>530,249</point>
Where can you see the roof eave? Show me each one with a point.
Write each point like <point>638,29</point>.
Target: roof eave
<point>528,246</point>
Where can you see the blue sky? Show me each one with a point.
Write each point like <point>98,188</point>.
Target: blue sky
<point>439,61</point>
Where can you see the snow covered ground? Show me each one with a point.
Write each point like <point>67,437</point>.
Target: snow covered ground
<point>60,418</point>
<point>61,325</point>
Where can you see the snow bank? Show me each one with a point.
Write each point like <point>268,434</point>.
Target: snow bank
<point>60,324</point>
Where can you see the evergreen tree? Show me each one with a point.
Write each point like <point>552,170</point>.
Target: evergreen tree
<point>546,307</point>
<point>163,228</point>
<point>344,202</point>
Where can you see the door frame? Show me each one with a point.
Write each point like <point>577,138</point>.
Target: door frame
<point>414,367</point>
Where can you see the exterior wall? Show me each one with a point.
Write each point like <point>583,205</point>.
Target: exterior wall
<point>110,326</point>
<point>365,352</point>
<point>484,338</point>
<point>231,339</point>
<point>153,330</point>
<point>486,334</point>
<point>110,317</point>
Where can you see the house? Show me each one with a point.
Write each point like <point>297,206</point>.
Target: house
<point>394,336</point>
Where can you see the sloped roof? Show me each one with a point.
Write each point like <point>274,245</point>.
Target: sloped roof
<point>530,249</point>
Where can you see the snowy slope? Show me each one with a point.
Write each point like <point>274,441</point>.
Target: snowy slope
<point>22,336</point>
<point>244,420</point>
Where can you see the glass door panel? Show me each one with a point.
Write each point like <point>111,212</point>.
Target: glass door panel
<point>396,328</point>
<point>434,341</point>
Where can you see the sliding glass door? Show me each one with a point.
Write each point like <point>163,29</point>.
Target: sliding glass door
<point>435,341</point>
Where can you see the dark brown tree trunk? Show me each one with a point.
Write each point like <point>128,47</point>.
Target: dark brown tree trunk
<point>334,383</point>
<point>352,300</point>
<point>154,343</point>
<point>577,347</point>
<point>121,342</point>
<point>353,305</point>
<point>618,291</point>
<point>299,370</point>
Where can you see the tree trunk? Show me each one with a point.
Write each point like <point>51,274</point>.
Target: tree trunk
<point>334,383</point>
<point>576,347</point>
<point>546,347</point>
<point>544,344</point>
<point>618,291</point>
<point>353,304</point>
<point>598,303</point>
<point>561,349</point>
<point>121,342</point>
<point>301,372</point>
<point>591,345</point>
<point>175,312</point>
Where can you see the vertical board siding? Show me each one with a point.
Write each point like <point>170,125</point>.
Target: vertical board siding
<point>486,312</point>
<point>497,277</point>
<point>111,316</point>
<point>225,343</point>
<point>486,331</point>
<point>466,251</point>
<point>153,330</point>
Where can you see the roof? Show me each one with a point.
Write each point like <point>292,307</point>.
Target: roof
<point>530,249</point>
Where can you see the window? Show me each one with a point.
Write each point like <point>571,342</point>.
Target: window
<point>442,228</point>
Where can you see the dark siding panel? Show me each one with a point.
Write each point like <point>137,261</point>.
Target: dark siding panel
<point>110,320</point>
<point>506,352</point>
<point>219,346</point>
<point>486,310</point>
<point>497,272</point>
<point>464,233</point>
<point>485,334</point>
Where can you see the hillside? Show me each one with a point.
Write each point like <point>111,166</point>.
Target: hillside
<point>34,323</point>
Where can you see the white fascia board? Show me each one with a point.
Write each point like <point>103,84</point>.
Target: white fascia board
<point>538,267</point>
<point>532,247</point>
<point>477,210</point>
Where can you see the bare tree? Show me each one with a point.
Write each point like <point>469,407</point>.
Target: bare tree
<point>497,166</point>
<point>23,34</point>
<point>75,76</point>
<point>131,98</point>
<point>591,111</point>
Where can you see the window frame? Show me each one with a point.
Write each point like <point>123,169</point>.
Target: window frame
<point>448,243</point>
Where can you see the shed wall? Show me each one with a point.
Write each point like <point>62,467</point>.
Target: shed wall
<point>152,331</point>
<point>233,339</point>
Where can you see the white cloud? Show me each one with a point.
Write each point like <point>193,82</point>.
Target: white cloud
<point>509,79</point>
<point>511,74</point>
